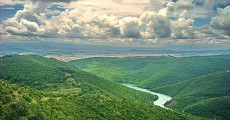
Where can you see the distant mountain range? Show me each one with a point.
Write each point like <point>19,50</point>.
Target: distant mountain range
<point>90,50</point>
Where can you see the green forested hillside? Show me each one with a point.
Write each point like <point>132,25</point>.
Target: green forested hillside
<point>217,108</point>
<point>24,103</point>
<point>33,87</point>
<point>211,85</point>
<point>152,72</point>
<point>50,74</point>
<point>207,93</point>
<point>194,82</point>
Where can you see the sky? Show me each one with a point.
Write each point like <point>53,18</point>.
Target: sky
<point>120,22</point>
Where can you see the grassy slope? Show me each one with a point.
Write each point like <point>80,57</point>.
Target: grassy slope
<point>189,80</point>
<point>50,89</point>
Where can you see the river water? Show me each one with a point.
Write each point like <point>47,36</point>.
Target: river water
<point>162,98</point>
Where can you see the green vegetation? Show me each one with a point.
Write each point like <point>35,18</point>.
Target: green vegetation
<point>205,96</point>
<point>194,82</point>
<point>153,72</point>
<point>217,108</point>
<point>23,103</point>
<point>52,75</point>
<point>33,87</point>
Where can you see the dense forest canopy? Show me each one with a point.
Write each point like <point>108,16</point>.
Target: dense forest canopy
<point>33,87</point>
<point>199,85</point>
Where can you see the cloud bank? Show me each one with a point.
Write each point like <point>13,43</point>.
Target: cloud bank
<point>174,22</point>
<point>221,22</point>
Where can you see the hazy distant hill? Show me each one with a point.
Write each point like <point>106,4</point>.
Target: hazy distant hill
<point>190,80</point>
<point>58,48</point>
<point>33,87</point>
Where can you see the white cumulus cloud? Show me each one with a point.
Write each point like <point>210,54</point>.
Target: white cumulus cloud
<point>173,22</point>
<point>222,21</point>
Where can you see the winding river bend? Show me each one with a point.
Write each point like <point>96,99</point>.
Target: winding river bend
<point>162,98</point>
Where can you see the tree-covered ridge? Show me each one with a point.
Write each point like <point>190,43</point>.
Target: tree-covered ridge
<point>211,85</point>
<point>208,95</point>
<point>194,82</point>
<point>50,74</point>
<point>152,72</point>
<point>76,95</point>
<point>24,103</point>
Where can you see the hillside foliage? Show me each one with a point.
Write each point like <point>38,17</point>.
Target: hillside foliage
<point>37,88</point>
<point>194,82</point>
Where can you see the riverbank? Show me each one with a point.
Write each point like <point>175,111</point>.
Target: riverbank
<point>162,98</point>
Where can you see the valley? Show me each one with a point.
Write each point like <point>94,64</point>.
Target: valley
<point>114,60</point>
<point>198,85</point>
<point>123,88</point>
<point>34,87</point>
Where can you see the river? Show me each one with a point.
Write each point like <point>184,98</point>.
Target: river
<point>162,98</point>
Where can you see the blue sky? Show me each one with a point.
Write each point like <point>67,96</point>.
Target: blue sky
<point>8,11</point>
<point>145,22</point>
